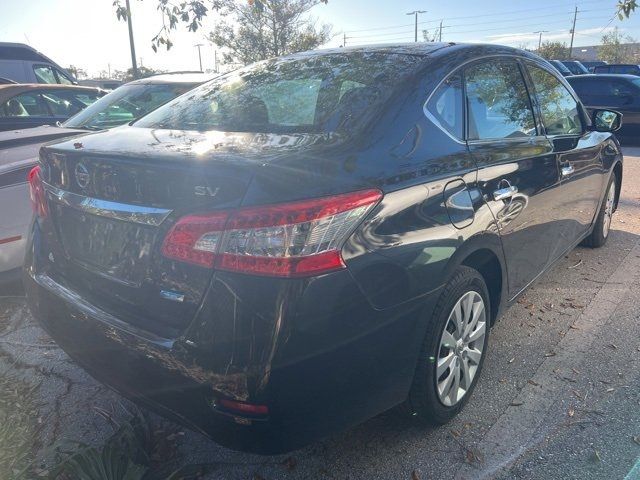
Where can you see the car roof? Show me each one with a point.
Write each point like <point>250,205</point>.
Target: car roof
<point>164,78</point>
<point>423,49</point>
<point>619,76</point>
<point>11,90</point>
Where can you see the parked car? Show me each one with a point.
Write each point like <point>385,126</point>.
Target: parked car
<point>623,68</point>
<point>561,67</point>
<point>24,64</point>
<point>19,153</point>
<point>32,105</point>
<point>591,65</point>
<point>309,241</point>
<point>616,92</point>
<point>575,67</point>
<point>105,84</point>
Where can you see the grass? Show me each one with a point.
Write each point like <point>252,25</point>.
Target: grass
<point>18,426</point>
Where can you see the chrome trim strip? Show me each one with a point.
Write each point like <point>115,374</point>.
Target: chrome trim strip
<point>118,211</point>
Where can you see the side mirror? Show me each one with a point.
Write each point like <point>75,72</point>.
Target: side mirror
<point>606,120</point>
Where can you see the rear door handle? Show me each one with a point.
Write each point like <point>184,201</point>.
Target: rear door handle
<point>504,193</point>
<point>567,170</point>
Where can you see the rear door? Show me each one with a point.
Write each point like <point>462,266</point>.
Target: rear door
<point>517,168</point>
<point>577,152</point>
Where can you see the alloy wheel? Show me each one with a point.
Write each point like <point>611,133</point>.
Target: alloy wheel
<point>608,210</point>
<point>461,348</point>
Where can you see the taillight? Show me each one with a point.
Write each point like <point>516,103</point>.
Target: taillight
<point>36,192</point>
<point>288,240</point>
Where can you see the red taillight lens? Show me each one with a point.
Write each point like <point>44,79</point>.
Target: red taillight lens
<point>36,192</point>
<point>243,408</point>
<point>289,240</point>
<point>195,239</point>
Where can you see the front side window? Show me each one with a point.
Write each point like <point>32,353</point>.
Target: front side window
<point>498,104</point>
<point>63,79</point>
<point>560,111</point>
<point>445,105</point>
<point>323,93</point>
<point>25,105</point>
<point>44,74</point>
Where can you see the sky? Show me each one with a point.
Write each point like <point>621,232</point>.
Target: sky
<point>86,33</point>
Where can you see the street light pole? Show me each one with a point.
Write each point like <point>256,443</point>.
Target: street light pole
<point>540,38</point>
<point>134,65</point>
<point>198,45</point>
<point>415,13</point>
<point>573,32</point>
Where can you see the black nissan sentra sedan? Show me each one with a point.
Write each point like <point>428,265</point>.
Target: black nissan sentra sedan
<point>307,242</point>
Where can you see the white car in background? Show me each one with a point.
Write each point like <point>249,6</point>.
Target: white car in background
<point>19,153</point>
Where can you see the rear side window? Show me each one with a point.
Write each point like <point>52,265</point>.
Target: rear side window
<point>445,106</point>
<point>25,105</point>
<point>560,111</point>
<point>68,103</point>
<point>498,104</point>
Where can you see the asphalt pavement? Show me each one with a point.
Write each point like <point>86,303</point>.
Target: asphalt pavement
<point>559,396</point>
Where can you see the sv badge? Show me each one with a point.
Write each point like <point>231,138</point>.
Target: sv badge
<point>206,191</point>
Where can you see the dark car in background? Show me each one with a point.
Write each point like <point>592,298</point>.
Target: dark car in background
<point>575,67</point>
<point>31,105</point>
<point>561,67</point>
<point>620,68</point>
<point>309,241</point>
<point>615,92</point>
<point>590,65</point>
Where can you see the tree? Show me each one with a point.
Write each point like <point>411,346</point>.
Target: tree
<point>254,31</point>
<point>77,72</point>
<point>625,8</point>
<point>616,48</point>
<point>553,50</point>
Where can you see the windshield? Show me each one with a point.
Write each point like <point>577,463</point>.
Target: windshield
<point>319,93</point>
<point>125,104</point>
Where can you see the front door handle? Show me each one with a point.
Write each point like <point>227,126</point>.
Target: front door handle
<point>504,193</point>
<point>567,170</point>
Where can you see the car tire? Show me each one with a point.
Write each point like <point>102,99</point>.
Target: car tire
<point>428,399</point>
<point>602,225</point>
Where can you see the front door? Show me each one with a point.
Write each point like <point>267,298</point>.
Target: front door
<point>517,168</point>
<point>578,155</point>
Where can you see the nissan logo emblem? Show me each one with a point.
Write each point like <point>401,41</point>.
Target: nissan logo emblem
<point>82,175</point>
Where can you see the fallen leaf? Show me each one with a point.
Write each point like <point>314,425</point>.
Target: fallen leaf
<point>290,463</point>
<point>613,345</point>
<point>571,412</point>
<point>636,440</point>
<point>455,433</point>
<point>516,403</point>
<point>414,475</point>
<point>609,390</point>
<point>573,327</point>
<point>577,372</point>
<point>596,456</point>
<point>550,354</point>
<point>512,360</point>
<point>535,384</point>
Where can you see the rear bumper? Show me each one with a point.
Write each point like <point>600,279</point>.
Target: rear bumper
<point>324,365</point>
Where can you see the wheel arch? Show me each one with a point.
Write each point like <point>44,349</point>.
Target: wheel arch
<point>483,252</point>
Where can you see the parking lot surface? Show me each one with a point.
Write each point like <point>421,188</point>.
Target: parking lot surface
<point>559,395</point>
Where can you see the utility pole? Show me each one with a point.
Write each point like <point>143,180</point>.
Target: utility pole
<point>440,34</point>
<point>415,13</point>
<point>573,32</point>
<point>198,45</point>
<point>344,39</point>
<point>540,39</point>
<point>215,60</point>
<point>134,66</point>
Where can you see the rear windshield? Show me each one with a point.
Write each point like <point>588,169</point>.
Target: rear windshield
<point>318,93</point>
<point>125,104</point>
